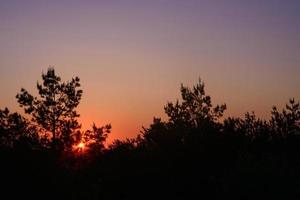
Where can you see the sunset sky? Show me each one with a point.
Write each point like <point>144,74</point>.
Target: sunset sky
<point>132,55</point>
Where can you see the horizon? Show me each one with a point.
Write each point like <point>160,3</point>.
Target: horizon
<point>136,54</point>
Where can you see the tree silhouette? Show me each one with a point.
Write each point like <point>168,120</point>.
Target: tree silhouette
<point>196,107</point>
<point>54,110</point>
<point>96,137</point>
<point>191,154</point>
<point>15,129</point>
<point>286,122</point>
<point>195,111</point>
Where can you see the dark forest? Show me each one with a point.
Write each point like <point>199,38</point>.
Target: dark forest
<point>195,154</point>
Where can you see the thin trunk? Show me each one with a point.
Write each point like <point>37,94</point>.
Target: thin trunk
<point>53,130</point>
<point>53,119</point>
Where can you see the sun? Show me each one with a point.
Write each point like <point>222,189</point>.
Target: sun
<point>81,146</point>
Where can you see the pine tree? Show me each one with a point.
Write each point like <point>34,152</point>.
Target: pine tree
<point>53,111</point>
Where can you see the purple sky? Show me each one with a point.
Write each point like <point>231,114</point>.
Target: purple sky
<point>132,56</point>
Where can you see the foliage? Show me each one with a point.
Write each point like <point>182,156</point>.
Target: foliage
<point>16,130</point>
<point>95,138</point>
<point>54,110</point>
<point>191,154</point>
<point>196,107</point>
<point>195,112</point>
<point>286,122</point>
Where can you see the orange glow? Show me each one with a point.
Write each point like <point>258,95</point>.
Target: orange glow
<point>79,148</point>
<point>81,145</point>
<point>131,63</point>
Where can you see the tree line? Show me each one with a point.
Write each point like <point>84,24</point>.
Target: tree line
<point>194,153</point>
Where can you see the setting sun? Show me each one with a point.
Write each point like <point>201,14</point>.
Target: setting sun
<point>81,145</point>
<point>150,99</point>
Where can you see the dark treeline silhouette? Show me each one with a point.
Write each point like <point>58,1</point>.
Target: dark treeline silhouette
<point>193,154</point>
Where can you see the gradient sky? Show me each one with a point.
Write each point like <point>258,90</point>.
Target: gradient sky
<point>132,55</point>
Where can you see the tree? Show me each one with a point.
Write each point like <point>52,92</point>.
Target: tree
<point>15,129</point>
<point>196,107</point>
<point>53,111</point>
<point>157,133</point>
<point>195,112</point>
<point>96,137</point>
<point>286,122</point>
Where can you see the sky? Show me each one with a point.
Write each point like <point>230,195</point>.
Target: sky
<point>132,55</point>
